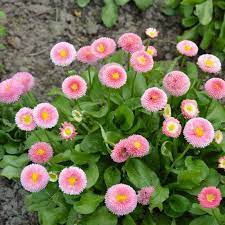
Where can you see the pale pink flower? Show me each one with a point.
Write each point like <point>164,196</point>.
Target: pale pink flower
<point>215,88</point>
<point>198,132</point>
<point>113,75</point>
<point>45,115</point>
<point>189,108</point>
<point>63,54</point>
<point>24,119</point>
<point>121,199</point>
<point>221,162</point>
<point>87,55</point>
<point>210,197</point>
<point>187,48</point>
<point>26,79</point>
<point>67,131</point>
<point>152,32</point>
<point>171,127</point>
<point>145,194</point>
<point>151,50</point>
<point>74,87</point>
<point>72,180</point>
<point>176,83</point>
<point>119,153</point>
<point>34,178</point>
<point>154,99</point>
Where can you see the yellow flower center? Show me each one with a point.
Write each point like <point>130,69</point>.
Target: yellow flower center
<point>209,62</point>
<point>63,53</point>
<point>45,115</point>
<point>27,119</point>
<point>142,60</point>
<point>34,177</point>
<point>137,144</point>
<point>68,131</point>
<point>101,48</point>
<point>74,87</point>
<point>7,87</point>
<point>223,163</point>
<point>121,198</point>
<point>171,127</point>
<point>154,97</point>
<point>150,51</point>
<point>217,86</point>
<point>152,34</point>
<point>187,47</point>
<point>116,76</point>
<point>199,132</point>
<point>72,180</point>
<point>189,108</point>
<point>40,152</point>
<point>210,197</point>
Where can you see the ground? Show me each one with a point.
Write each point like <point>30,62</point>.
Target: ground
<point>34,26</point>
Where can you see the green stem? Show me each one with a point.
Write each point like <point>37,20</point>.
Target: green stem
<point>147,44</point>
<point>89,76</point>
<point>37,136</point>
<point>215,215</point>
<point>108,98</point>
<point>207,109</point>
<point>133,82</point>
<point>183,61</point>
<point>128,63</point>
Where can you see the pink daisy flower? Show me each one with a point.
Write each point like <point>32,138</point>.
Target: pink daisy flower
<point>154,99</point>
<point>130,42</point>
<point>198,132</point>
<point>141,61</point>
<point>103,47</point>
<point>176,83</point>
<point>218,137</point>
<point>137,145</point>
<point>209,63</point>
<point>121,199</point>
<point>63,54</point>
<point>34,178</point>
<point>87,55</point>
<point>67,131</point>
<point>209,197</point>
<point>113,75</point>
<point>10,91</point>
<point>74,87</point>
<point>45,115</point>
<point>144,195</point>
<point>152,32</point>
<point>151,50</point>
<point>171,127</point>
<point>26,79</point>
<point>189,108</point>
<point>187,48</point>
<point>221,162</point>
<point>72,180</point>
<point>119,153</point>
<point>40,152</point>
<point>215,88</point>
<point>24,119</point>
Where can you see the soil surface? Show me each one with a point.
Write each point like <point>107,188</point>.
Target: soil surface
<point>34,26</point>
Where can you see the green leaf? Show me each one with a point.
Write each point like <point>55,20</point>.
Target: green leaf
<point>121,2</point>
<point>109,14</point>
<point>192,2</point>
<point>166,149</point>
<point>128,220</point>
<point>196,209</point>
<point>143,4</point>
<point>190,34</point>
<point>206,220</point>
<point>192,70</point>
<point>15,161</point>
<point>88,203</point>
<point>112,176</point>
<point>189,21</point>
<point>82,158</point>
<point>179,203</point>
<point>82,3</point>
<point>208,36</point>
<point>11,172</point>
<point>92,174</point>
<point>12,148</point>
<point>140,85</point>
<point>204,12</point>
<point>2,31</point>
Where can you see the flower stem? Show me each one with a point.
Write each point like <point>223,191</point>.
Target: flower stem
<point>128,63</point>
<point>89,76</point>
<point>133,82</point>
<point>108,98</point>
<point>208,106</point>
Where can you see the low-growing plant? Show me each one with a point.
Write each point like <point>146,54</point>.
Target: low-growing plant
<point>136,142</point>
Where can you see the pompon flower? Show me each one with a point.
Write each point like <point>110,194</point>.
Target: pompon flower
<point>176,83</point>
<point>130,42</point>
<point>215,88</point>
<point>121,199</point>
<point>40,152</point>
<point>103,47</point>
<point>87,55</point>
<point>34,178</point>
<point>152,32</point>
<point>72,180</point>
<point>10,91</point>
<point>119,153</point>
<point>74,87</point>
<point>151,50</point>
<point>221,162</point>
<point>210,197</point>
<point>26,79</point>
<point>167,111</point>
<point>67,131</point>
<point>154,99</point>
<point>144,195</point>
<point>209,63</point>
<point>45,115</point>
<point>63,54</point>
<point>53,177</point>
<point>24,119</point>
<point>141,61</point>
<point>137,145</point>
<point>189,108</point>
<point>172,127</point>
<point>187,48</point>
<point>113,75</point>
<point>218,137</point>
<point>198,132</point>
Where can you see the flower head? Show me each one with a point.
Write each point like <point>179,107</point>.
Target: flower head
<point>152,32</point>
<point>154,99</point>
<point>187,48</point>
<point>209,197</point>
<point>121,199</point>
<point>103,47</point>
<point>176,83</point>
<point>215,88</point>
<point>26,79</point>
<point>34,178</point>
<point>74,87</point>
<point>221,162</point>
<point>63,54</point>
<point>40,152</point>
<point>67,131</point>
<point>24,119</point>
<point>87,55</point>
<point>151,50</point>
<point>144,195</point>
<point>53,177</point>
<point>141,61</point>
<point>209,63</point>
<point>218,137</point>
<point>77,115</point>
<point>198,132</point>
<point>167,111</point>
<point>113,75</point>
<point>119,153</point>
<point>171,127</point>
<point>72,180</point>
<point>189,108</point>
<point>130,42</point>
<point>137,145</point>
<point>45,115</point>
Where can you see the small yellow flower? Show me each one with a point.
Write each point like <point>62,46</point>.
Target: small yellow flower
<point>218,137</point>
<point>53,177</point>
<point>167,111</point>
